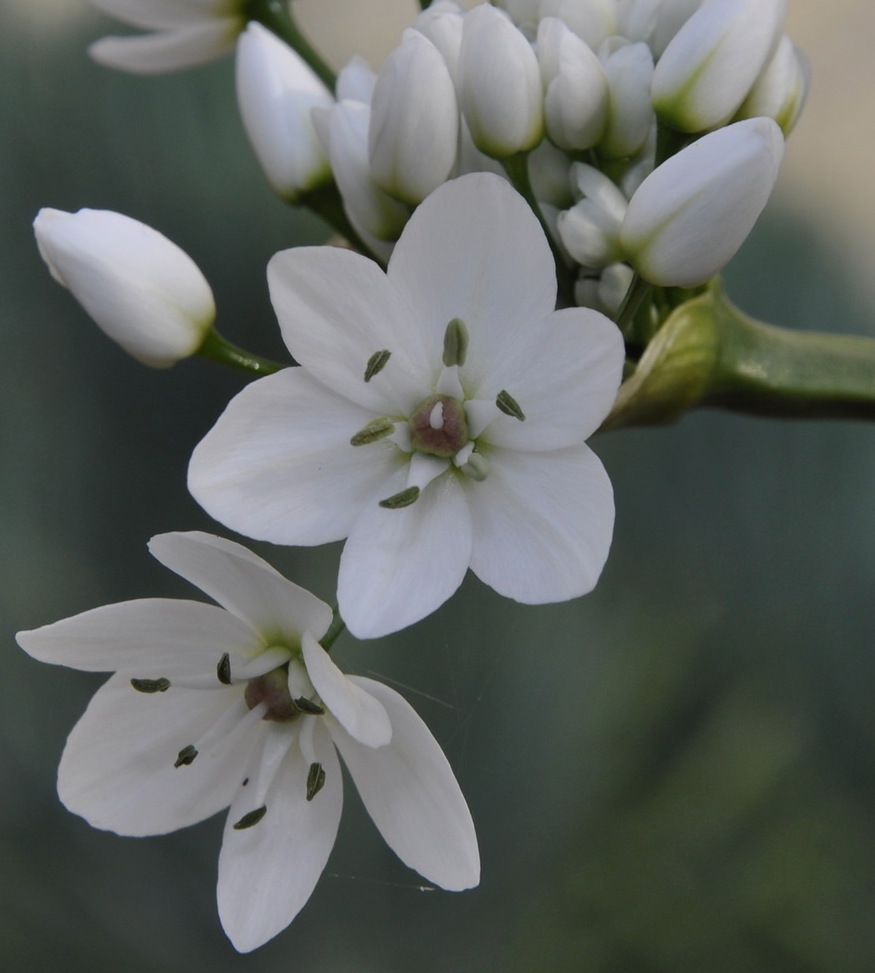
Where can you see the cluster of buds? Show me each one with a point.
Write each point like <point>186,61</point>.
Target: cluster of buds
<point>647,134</point>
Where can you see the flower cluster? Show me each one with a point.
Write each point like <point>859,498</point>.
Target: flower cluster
<point>583,102</point>
<point>510,175</point>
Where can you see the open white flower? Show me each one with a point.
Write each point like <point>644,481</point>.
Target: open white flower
<point>239,705</point>
<point>184,33</point>
<point>438,420</point>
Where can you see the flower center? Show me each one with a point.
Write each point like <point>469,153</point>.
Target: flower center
<point>273,688</point>
<point>439,426</point>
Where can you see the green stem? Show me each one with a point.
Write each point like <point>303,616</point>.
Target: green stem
<point>334,630</point>
<point>276,15</point>
<point>517,169</point>
<point>216,348</point>
<point>709,353</point>
<point>638,290</point>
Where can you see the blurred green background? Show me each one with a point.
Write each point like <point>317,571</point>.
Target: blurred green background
<point>676,773</point>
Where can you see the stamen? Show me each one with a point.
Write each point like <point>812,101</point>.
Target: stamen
<point>315,780</point>
<point>375,430</point>
<point>509,405</point>
<point>186,756</point>
<point>402,499</point>
<point>251,818</point>
<point>455,343</point>
<point>308,706</point>
<point>477,467</point>
<point>223,670</point>
<point>151,685</point>
<point>376,363</point>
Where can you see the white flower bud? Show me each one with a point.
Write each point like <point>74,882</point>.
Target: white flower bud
<point>591,20</point>
<point>782,88</point>
<point>629,70</point>
<point>576,102</point>
<point>356,80</point>
<point>371,210</point>
<point>499,84</point>
<point>142,290</point>
<point>692,213</point>
<point>414,130</point>
<point>549,174</point>
<point>441,22</point>
<point>276,91</point>
<point>605,292</point>
<point>590,230</point>
<point>672,15</point>
<point>524,13</point>
<point>711,64</point>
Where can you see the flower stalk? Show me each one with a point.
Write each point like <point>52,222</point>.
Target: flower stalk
<point>708,353</point>
<point>218,349</point>
<point>276,16</point>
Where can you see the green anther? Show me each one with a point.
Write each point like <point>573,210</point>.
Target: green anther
<point>151,685</point>
<point>455,343</point>
<point>223,670</point>
<point>315,780</point>
<point>186,756</point>
<point>509,405</point>
<point>402,499</point>
<point>253,817</point>
<point>376,363</point>
<point>308,706</point>
<point>374,430</point>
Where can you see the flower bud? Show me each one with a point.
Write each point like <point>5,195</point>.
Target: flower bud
<point>689,216</point>
<point>590,230</point>
<point>441,22</point>
<point>576,102</point>
<point>276,91</point>
<point>630,120</point>
<point>782,88</point>
<point>141,289</point>
<point>371,210</point>
<point>414,129</point>
<point>711,64</point>
<point>499,84</point>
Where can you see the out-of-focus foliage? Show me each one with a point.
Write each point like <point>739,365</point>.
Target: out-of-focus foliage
<point>675,773</point>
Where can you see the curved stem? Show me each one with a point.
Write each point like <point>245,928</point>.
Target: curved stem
<point>336,627</point>
<point>216,348</point>
<point>517,169</point>
<point>277,16</point>
<point>328,203</point>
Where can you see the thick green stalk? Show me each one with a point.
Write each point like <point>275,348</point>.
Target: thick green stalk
<point>709,353</point>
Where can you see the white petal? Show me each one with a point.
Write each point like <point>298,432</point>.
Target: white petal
<point>244,584</point>
<point>542,524</point>
<point>159,14</point>
<point>565,378</point>
<point>278,464</point>
<point>359,713</point>
<point>169,50</point>
<point>409,790</point>
<point>117,769</point>
<point>150,633</point>
<point>268,871</point>
<point>336,309</point>
<point>400,565</point>
<point>474,250</point>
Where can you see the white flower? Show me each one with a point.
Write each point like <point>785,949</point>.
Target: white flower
<point>277,91</point>
<point>414,127</point>
<point>781,90</point>
<point>438,419</point>
<point>185,33</point>
<point>590,230</point>
<point>711,64</point>
<point>691,214</point>
<point>140,288</point>
<point>239,705</point>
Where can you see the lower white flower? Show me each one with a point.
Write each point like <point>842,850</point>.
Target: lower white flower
<point>239,705</point>
<point>438,419</point>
